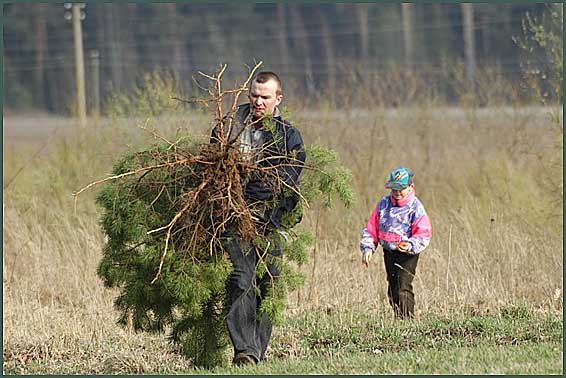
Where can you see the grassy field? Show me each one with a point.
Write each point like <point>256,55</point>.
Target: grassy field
<point>488,289</point>
<point>517,341</point>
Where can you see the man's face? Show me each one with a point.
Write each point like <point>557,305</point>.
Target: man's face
<point>263,98</point>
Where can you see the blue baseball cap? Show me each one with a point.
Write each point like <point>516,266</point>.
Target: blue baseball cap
<point>400,178</point>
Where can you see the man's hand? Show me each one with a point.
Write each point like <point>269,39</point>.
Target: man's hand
<point>366,256</point>
<point>403,246</point>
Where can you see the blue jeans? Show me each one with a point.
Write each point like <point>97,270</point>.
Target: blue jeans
<point>249,332</point>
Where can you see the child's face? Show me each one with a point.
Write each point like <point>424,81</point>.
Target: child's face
<point>403,193</point>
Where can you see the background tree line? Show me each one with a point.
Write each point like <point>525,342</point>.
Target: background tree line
<point>317,48</point>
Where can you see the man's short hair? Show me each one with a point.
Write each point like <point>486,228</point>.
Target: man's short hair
<point>265,76</point>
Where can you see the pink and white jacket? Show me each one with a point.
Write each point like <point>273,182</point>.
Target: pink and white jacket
<point>393,221</point>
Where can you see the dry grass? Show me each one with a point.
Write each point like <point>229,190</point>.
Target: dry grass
<point>495,229</point>
<point>497,233</point>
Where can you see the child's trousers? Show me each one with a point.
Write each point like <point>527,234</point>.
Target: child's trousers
<point>401,269</point>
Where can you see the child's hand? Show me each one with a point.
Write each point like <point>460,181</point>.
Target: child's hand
<point>403,246</point>
<point>366,256</point>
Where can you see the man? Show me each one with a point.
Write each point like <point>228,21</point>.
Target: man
<point>283,156</point>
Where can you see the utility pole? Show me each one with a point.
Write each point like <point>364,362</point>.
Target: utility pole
<point>362,16</point>
<point>407,15</point>
<point>77,15</point>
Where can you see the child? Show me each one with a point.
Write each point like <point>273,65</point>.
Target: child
<point>400,224</point>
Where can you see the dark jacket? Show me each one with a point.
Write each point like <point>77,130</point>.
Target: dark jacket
<point>285,154</point>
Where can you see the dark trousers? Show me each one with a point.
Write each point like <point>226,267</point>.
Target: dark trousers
<point>401,269</point>
<point>249,332</point>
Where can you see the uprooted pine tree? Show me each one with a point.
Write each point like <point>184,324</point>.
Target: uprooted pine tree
<point>165,210</point>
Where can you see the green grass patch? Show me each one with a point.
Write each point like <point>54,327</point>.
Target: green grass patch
<point>483,358</point>
<point>515,341</point>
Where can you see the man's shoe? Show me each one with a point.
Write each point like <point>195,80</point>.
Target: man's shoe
<point>243,359</point>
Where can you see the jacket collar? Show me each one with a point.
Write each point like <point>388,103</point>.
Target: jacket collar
<point>404,201</point>
<point>248,116</point>
<point>244,112</point>
<point>243,115</point>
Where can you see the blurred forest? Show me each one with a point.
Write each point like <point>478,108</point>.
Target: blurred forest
<point>316,48</point>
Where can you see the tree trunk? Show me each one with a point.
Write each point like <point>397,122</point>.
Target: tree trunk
<point>329,55</point>
<point>40,41</point>
<point>469,43</point>
<point>282,41</point>
<point>362,15</point>
<point>300,34</point>
<point>175,37</point>
<point>440,33</point>
<point>127,29</point>
<point>101,45</point>
<point>407,15</point>
<point>115,56</point>
<point>486,33</point>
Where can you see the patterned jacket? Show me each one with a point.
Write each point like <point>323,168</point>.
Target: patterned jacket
<point>393,221</point>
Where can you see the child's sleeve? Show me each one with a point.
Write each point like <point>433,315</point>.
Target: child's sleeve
<point>421,232</point>
<point>369,238</point>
